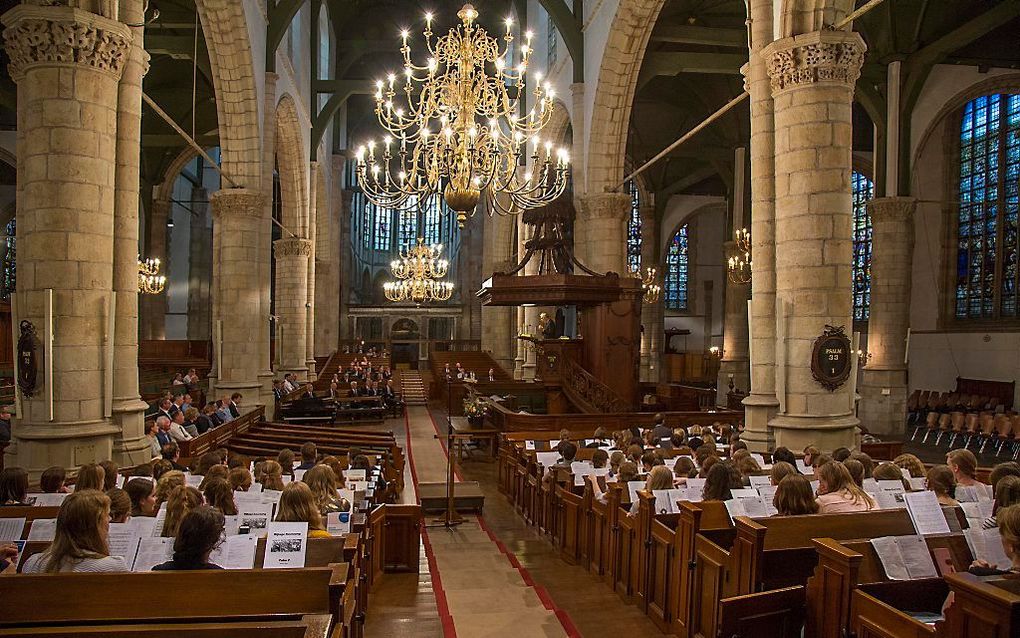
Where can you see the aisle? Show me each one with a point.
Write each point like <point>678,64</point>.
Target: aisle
<point>479,591</point>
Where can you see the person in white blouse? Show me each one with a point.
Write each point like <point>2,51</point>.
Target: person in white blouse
<point>177,431</point>
<point>80,543</point>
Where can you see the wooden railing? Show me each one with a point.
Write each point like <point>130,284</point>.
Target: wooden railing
<point>511,421</point>
<point>590,394</point>
<point>218,436</point>
<point>160,349</point>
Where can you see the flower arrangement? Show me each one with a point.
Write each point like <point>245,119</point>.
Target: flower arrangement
<point>474,408</point>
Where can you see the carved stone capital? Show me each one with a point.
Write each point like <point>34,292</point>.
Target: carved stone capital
<point>605,205</point>
<point>237,202</point>
<point>892,209</point>
<point>745,74</point>
<point>293,247</point>
<point>830,57</point>
<point>38,35</point>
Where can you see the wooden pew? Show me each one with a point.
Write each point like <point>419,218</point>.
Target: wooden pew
<point>50,599</point>
<point>845,566</point>
<point>218,436</point>
<point>876,609</point>
<point>983,607</point>
<point>309,626</point>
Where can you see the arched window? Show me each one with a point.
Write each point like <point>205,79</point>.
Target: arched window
<point>634,228</point>
<point>986,242</point>
<point>407,232</point>
<point>863,190</point>
<point>10,263</point>
<point>676,271</point>
<point>432,226</point>
<point>383,227</point>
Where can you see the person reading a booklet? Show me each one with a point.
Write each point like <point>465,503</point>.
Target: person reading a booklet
<point>80,543</point>
<point>297,505</point>
<point>1008,520</point>
<point>794,496</point>
<point>837,492</point>
<point>200,532</point>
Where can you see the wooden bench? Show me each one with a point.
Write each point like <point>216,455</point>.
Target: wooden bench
<point>309,626</point>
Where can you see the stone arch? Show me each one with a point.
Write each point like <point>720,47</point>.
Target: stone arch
<point>806,16</point>
<point>9,158</point>
<point>556,130</point>
<point>614,93</point>
<point>233,69</point>
<point>292,166</point>
<point>165,189</point>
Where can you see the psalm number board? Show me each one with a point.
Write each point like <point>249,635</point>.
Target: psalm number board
<point>830,358</point>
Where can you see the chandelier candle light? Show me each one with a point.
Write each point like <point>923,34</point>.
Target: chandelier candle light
<point>150,282</point>
<point>459,131</point>
<point>649,285</point>
<point>739,264</point>
<point>418,271</point>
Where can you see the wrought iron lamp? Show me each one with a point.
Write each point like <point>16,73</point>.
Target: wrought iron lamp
<point>739,264</point>
<point>150,282</point>
<point>649,285</point>
<point>417,273</point>
<point>459,132</point>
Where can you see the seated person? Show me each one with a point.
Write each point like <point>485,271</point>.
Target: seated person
<point>190,426</point>
<point>172,453</point>
<point>794,496</point>
<point>198,535</point>
<point>209,411</point>
<point>223,410</point>
<point>963,463</point>
<point>80,543</point>
<point>13,486</point>
<point>202,421</point>
<point>297,504</point>
<point>53,479</point>
<point>780,470</point>
<point>142,493</point>
<point>1008,522</point>
<point>120,505</point>
<point>177,430</point>
<point>218,494</point>
<point>324,483</point>
<point>837,492</point>
<point>182,500</point>
<point>90,477</point>
<point>722,477</point>
<point>940,480</point>
<point>889,472</point>
<point>309,392</point>
<point>232,406</point>
<point>309,454</point>
<point>1007,494</point>
<point>240,479</point>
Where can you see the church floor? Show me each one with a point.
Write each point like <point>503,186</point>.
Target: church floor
<point>492,576</point>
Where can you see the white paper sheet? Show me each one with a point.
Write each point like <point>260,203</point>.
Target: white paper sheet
<point>123,540</point>
<point>338,523</point>
<point>299,475</point>
<point>48,500</point>
<point>977,512</point>
<point>143,525</point>
<point>663,502</point>
<point>152,552</point>
<point>529,445</point>
<point>696,484</point>
<point>157,526</point>
<point>591,471</point>
<point>632,489</point>
<point>758,481</point>
<point>42,529</point>
<point>888,500</point>
<point>254,488</point>
<point>918,483</point>
<point>193,480</point>
<point>271,497</point>
<point>286,544</point>
<point>904,557</point>
<point>744,492</point>
<point>890,486</point>
<point>236,552</point>
<point>986,545</point>
<point>889,553</point>
<point>256,517</point>
<point>926,513</point>
<point>11,529</point>
<point>547,459</point>
<point>804,468</point>
<point>767,492</point>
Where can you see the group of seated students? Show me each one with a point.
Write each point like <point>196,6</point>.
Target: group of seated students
<point>194,515</point>
<point>839,477</point>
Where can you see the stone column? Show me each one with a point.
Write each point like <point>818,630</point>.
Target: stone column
<point>529,364</point>
<point>154,306</point>
<point>131,446</point>
<point>265,243</point>
<point>199,268</point>
<point>345,329</point>
<point>883,388</point>
<point>735,364</point>
<point>604,216</point>
<point>67,64</point>
<point>313,182</point>
<point>813,78</point>
<point>291,296</point>
<point>650,312</point>
<point>497,321</point>
<point>761,404</point>
<point>237,229</point>
<point>327,268</point>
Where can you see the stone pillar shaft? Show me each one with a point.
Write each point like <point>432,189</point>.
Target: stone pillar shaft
<point>291,298</point>
<point>813,77</point>
<point>67,64</point>
<point>154,306</point>
<point>313,182</point>
<point>884,383</point>
<point>237,230</point>
<point>131,446</point>
<point>650,312</point>
<point>497,321</point>
<point>199,268</point>
<point>265,242</point>
<point>734,364</point>
<point>604,216</point>
<point>327,265</point>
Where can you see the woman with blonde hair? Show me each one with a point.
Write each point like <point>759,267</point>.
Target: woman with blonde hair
<point>888,472</point>
<point>910,463</point>
<point>660,478</point>
<point>321,480</point>
<point>110,470</point>
<point>856,469</point>
<point>794,496</point>
<point>182,500</point>
<point>80,543</point>
<point>240,479</point>
<point>219,495</point>
<point>963,463</point>
<point>167,484</point>
<point>780,470</point>
<point>120,505</point>
<point>297,505</point>
<point>286,461</point>
<point>90,477</point>
<point>837,492</point>
<point>272,476</point>
<point>748,466</point>
<point>214,472</point>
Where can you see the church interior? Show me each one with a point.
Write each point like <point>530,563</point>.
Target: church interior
<point>359,318</point>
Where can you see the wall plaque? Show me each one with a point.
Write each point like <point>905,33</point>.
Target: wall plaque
<point>830,358</point>
<point>28,359</point>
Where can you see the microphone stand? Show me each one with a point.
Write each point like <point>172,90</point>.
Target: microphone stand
<point>450,518</point>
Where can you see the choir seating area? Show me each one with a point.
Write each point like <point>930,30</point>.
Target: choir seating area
<point>976,415</point>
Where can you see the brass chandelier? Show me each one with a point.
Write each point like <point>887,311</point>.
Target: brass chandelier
<point>649,285</point>
<point>417,273</point>
<point>739,264</point>
<point>459,131</point>
<point>150,282</point>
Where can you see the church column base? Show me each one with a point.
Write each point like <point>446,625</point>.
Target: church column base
<point>883,404</point>
<point>759,409</point>
<point>824,432</point>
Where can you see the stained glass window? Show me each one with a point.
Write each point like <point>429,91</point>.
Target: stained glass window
<point>9,261</point>
<point>432,225</point>
<point>863,190</point>
<point>676,271</point>
<point>551,43</point>
<point>407,233</point>
<point>383,227</point>
<point>986,257</point>
<point>634,228</point>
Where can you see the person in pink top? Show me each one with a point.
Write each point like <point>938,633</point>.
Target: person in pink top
<point>837,492</point>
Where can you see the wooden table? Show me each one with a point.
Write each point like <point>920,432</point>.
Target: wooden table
<point>464,432</point>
